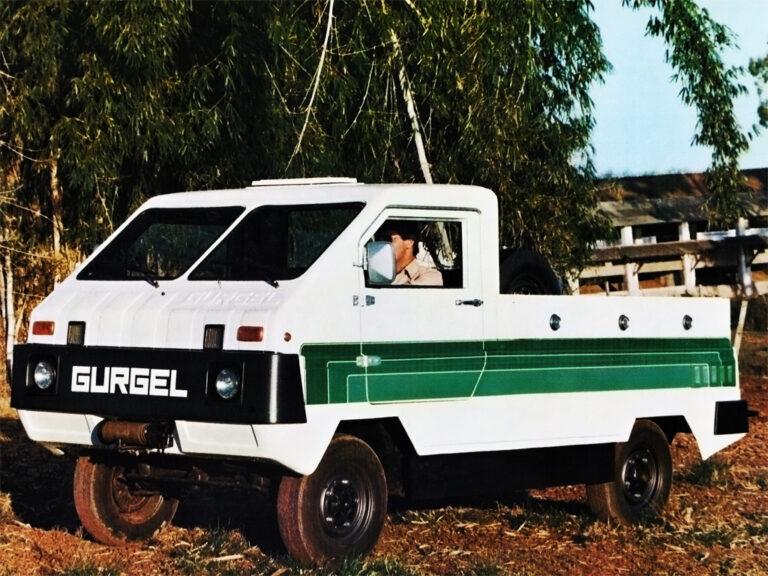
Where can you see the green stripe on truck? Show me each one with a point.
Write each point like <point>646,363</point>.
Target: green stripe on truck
<point>417,371</point>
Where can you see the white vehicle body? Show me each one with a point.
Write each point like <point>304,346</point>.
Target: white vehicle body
<point>463,368</point>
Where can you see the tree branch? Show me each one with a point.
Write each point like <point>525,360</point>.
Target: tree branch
<point>316,83</point>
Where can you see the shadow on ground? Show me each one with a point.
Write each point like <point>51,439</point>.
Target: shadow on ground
<point>39,484</point>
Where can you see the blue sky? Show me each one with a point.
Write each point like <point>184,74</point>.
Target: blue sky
<point>642,127</point>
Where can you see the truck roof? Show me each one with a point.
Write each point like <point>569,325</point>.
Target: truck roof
<point>313,191</point>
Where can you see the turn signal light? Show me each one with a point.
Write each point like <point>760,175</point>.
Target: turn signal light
<point>43,328</point>
<point>250,334</point>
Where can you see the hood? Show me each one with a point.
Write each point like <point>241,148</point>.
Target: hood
<point>137,314</point>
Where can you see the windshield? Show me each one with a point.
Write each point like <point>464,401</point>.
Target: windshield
<point>276,242</point>
<point>160,244</point>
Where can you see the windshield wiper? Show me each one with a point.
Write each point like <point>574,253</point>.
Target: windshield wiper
<point>150,279</point>
<point>271,282</point>
<point>133,272</point>
<point>263,273</point>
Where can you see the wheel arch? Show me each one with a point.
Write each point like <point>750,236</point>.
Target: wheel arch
<point>389,440</point>
<point>670,425</point>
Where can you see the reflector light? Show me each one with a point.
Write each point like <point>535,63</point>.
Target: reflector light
<point>250,334</point>
<point>213,337</point>
<point>76,333</point>
<point>43,328</point>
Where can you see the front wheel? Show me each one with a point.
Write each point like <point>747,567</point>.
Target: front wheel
<point>338,510</point>
<point>642,478</point>
<point>113,510</point>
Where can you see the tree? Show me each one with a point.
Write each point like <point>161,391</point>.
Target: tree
<point>758,67</point>
<point>105,104</point>
<point>500,90</point>
<point>695,42</point>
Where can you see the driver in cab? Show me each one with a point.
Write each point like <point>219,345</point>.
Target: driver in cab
<point>404,237</point>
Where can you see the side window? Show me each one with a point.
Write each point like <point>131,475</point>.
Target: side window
<point>428,253</point>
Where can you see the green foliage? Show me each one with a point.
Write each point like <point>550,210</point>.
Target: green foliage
<point>131,100</point>
<point>501,92</point>
<point>104,104</point>
<point>695,42</point>
<point>758,67</point>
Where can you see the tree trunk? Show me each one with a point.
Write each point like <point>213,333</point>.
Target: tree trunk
<point>4,374</point>
<point>411,108</point>
<point>10,316</point>
<point>56,214</point>
<point>418,139</point>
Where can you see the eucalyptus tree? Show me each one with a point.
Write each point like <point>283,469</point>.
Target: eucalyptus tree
<point>695,43</point>
<point>758,67</point>
<point>501,92</point>
<point>103,104</point>
<point>116,102</point>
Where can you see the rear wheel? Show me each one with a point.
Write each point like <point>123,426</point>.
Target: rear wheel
<point>113,510</point>
<point>642,478</point>
<point>338,510</point>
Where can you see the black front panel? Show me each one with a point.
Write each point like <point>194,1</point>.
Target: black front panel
<point>154,385</point>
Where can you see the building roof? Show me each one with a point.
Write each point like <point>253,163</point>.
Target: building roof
<point>672,198</point>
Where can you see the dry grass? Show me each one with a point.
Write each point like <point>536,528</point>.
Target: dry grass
<point>6,509</point>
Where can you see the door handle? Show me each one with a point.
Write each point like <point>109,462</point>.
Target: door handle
<point>476,302</point>
<point>365,361</point>
<point>369,300</point>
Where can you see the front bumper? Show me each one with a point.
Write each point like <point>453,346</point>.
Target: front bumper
<point>148,384</point>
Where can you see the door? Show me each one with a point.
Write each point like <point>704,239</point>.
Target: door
<point>423,340</point>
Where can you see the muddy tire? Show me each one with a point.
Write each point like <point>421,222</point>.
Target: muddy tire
<point>337,511</point>
<point>113,511</point>
<point>642,478</point>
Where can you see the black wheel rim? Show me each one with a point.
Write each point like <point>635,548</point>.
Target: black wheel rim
<point>345,507</point>
<point>640,477</point>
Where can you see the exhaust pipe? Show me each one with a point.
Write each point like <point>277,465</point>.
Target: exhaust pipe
<point>136,434</point>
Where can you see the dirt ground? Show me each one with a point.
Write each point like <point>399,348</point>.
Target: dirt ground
<point>716,522</point>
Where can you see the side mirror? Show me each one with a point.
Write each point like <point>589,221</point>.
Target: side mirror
<point>380,257</point>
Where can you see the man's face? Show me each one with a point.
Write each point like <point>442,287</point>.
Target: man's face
<point>403,250</point>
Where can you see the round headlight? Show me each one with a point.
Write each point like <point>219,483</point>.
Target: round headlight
<point>44,375</point>
<point>227,383</point>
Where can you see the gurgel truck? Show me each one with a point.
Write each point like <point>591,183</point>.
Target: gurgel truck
<point>255,336</point>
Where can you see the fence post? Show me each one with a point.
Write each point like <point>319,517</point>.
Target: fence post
<point>631,280</point>
<point>689,261</point>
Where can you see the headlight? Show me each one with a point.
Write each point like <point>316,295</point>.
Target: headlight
<point>44,375</point>
<point>227,383</point>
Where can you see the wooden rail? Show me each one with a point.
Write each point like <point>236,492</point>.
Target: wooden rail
<point>736,263</point>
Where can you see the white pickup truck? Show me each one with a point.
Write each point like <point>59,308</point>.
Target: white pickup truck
<point>256,336</point>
